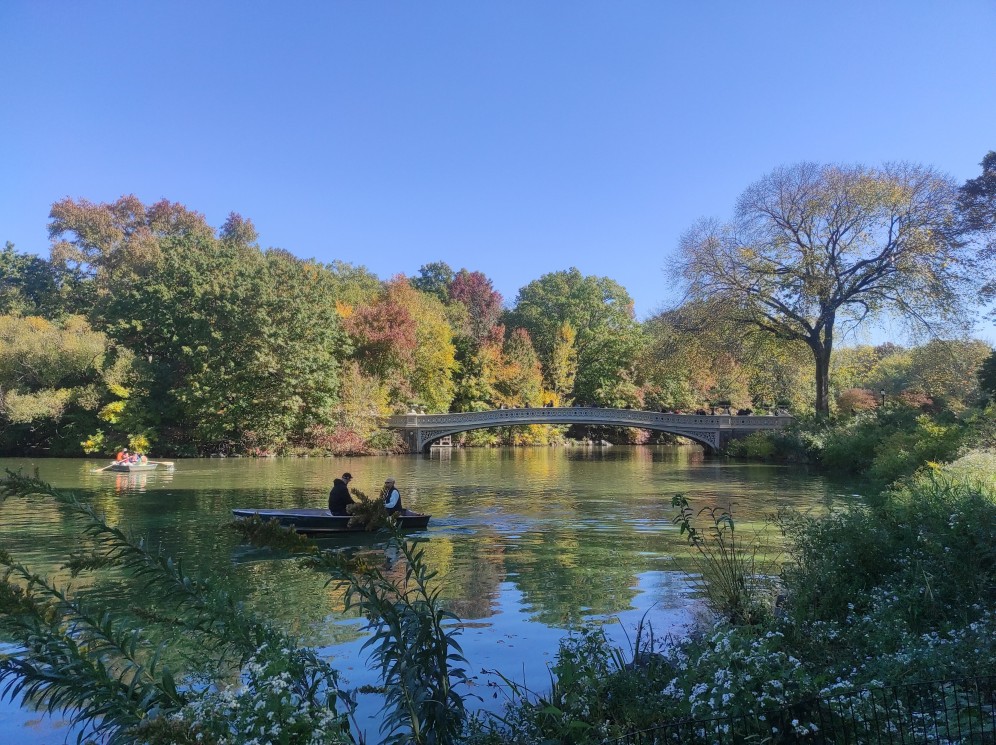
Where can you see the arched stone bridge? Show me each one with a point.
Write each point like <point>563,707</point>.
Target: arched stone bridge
<point>421,430</point>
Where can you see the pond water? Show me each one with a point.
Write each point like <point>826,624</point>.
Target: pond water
<point>529,543</point>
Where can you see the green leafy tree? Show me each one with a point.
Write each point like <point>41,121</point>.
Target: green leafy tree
<point>815,248</point>
<point>607,337</point>
<point>353,285</point>
<point>977,212</point>
<point>987,375</point>
<point>28,285</point>
<point>236,346</point>
<point>434,278</point>
<point>479,371</point>
<point>55,381</point>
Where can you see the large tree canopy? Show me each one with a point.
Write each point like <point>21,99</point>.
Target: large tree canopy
<point>234,344</point>
<point>813,248</point>
<point>596,314</point>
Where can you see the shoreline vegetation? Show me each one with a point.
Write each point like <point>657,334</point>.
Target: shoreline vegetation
<point>148,328</point>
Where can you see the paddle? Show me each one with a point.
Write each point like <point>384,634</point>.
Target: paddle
<point>104,468</point>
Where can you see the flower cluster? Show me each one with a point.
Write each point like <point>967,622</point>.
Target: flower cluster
<point>284,696</point>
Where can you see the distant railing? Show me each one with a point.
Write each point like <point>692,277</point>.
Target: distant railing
<point>953,712</point>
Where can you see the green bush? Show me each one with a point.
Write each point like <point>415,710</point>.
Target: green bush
<point>903,451</point>
<point>869,586</point>
<point>850,445</point>
<point>756,446</point>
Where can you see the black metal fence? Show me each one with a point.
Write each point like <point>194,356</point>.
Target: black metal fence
<point>951,712</point>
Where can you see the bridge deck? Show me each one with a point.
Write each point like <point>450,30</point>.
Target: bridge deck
<point>711,430</point>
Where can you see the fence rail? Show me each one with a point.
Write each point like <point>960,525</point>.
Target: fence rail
<point>951,712</point>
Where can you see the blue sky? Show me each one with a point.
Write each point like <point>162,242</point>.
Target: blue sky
<point>514,138</point>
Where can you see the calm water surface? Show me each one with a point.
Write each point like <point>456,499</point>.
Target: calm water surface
<point>528,542</point>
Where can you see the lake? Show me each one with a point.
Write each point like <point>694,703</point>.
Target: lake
<point>528,542</point>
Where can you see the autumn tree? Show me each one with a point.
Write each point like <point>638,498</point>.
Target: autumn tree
<point>947,371</point>
<point>94,241</point>
<point>434,361</point>
<point>404,339</point>
<point>519,381</point>
<point>481,367</point>
<point>563,364</point>
<point>483,302</point>
<point>696,358</point>
<point>384,336</point>
<point>813,249</point>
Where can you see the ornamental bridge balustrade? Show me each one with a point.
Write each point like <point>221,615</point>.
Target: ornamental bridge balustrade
<point>712,431</point>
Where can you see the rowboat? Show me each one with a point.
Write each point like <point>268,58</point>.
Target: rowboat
<point>132,467</point>
<point>314,521</point>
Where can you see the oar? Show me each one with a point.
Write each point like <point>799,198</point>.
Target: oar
<point>168,463</point>
<point>104,468</point>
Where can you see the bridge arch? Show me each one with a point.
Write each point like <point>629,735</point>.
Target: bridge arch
<point>709,444</point>
<point>713,432</point>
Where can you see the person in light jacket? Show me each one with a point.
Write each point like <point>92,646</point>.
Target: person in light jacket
<point>392,497</point>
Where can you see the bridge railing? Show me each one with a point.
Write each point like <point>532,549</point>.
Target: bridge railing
<point>584,414</point>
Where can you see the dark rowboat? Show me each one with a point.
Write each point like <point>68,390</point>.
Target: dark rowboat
<point>318,521</point>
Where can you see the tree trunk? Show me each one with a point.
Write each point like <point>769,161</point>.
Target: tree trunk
<point>821,356</point>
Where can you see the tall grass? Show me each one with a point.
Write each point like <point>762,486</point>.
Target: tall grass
<point>736,576</point>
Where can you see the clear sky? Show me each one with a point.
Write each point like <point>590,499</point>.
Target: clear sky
<point>515,138</point>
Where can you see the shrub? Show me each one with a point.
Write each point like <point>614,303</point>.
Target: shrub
<point>854,400</point>
<point>974,467</point>
<point>903,451</point>
<point>872,584</point>
<point>757,445</point>
<point>850,446</point>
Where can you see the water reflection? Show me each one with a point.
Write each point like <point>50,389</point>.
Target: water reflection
<point>527,542</point>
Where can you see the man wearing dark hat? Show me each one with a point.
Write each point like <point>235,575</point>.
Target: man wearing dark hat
<point>339,498</point>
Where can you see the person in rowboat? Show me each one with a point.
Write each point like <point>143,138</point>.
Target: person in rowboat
<point>392,497</point>
<point>339,498</point>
